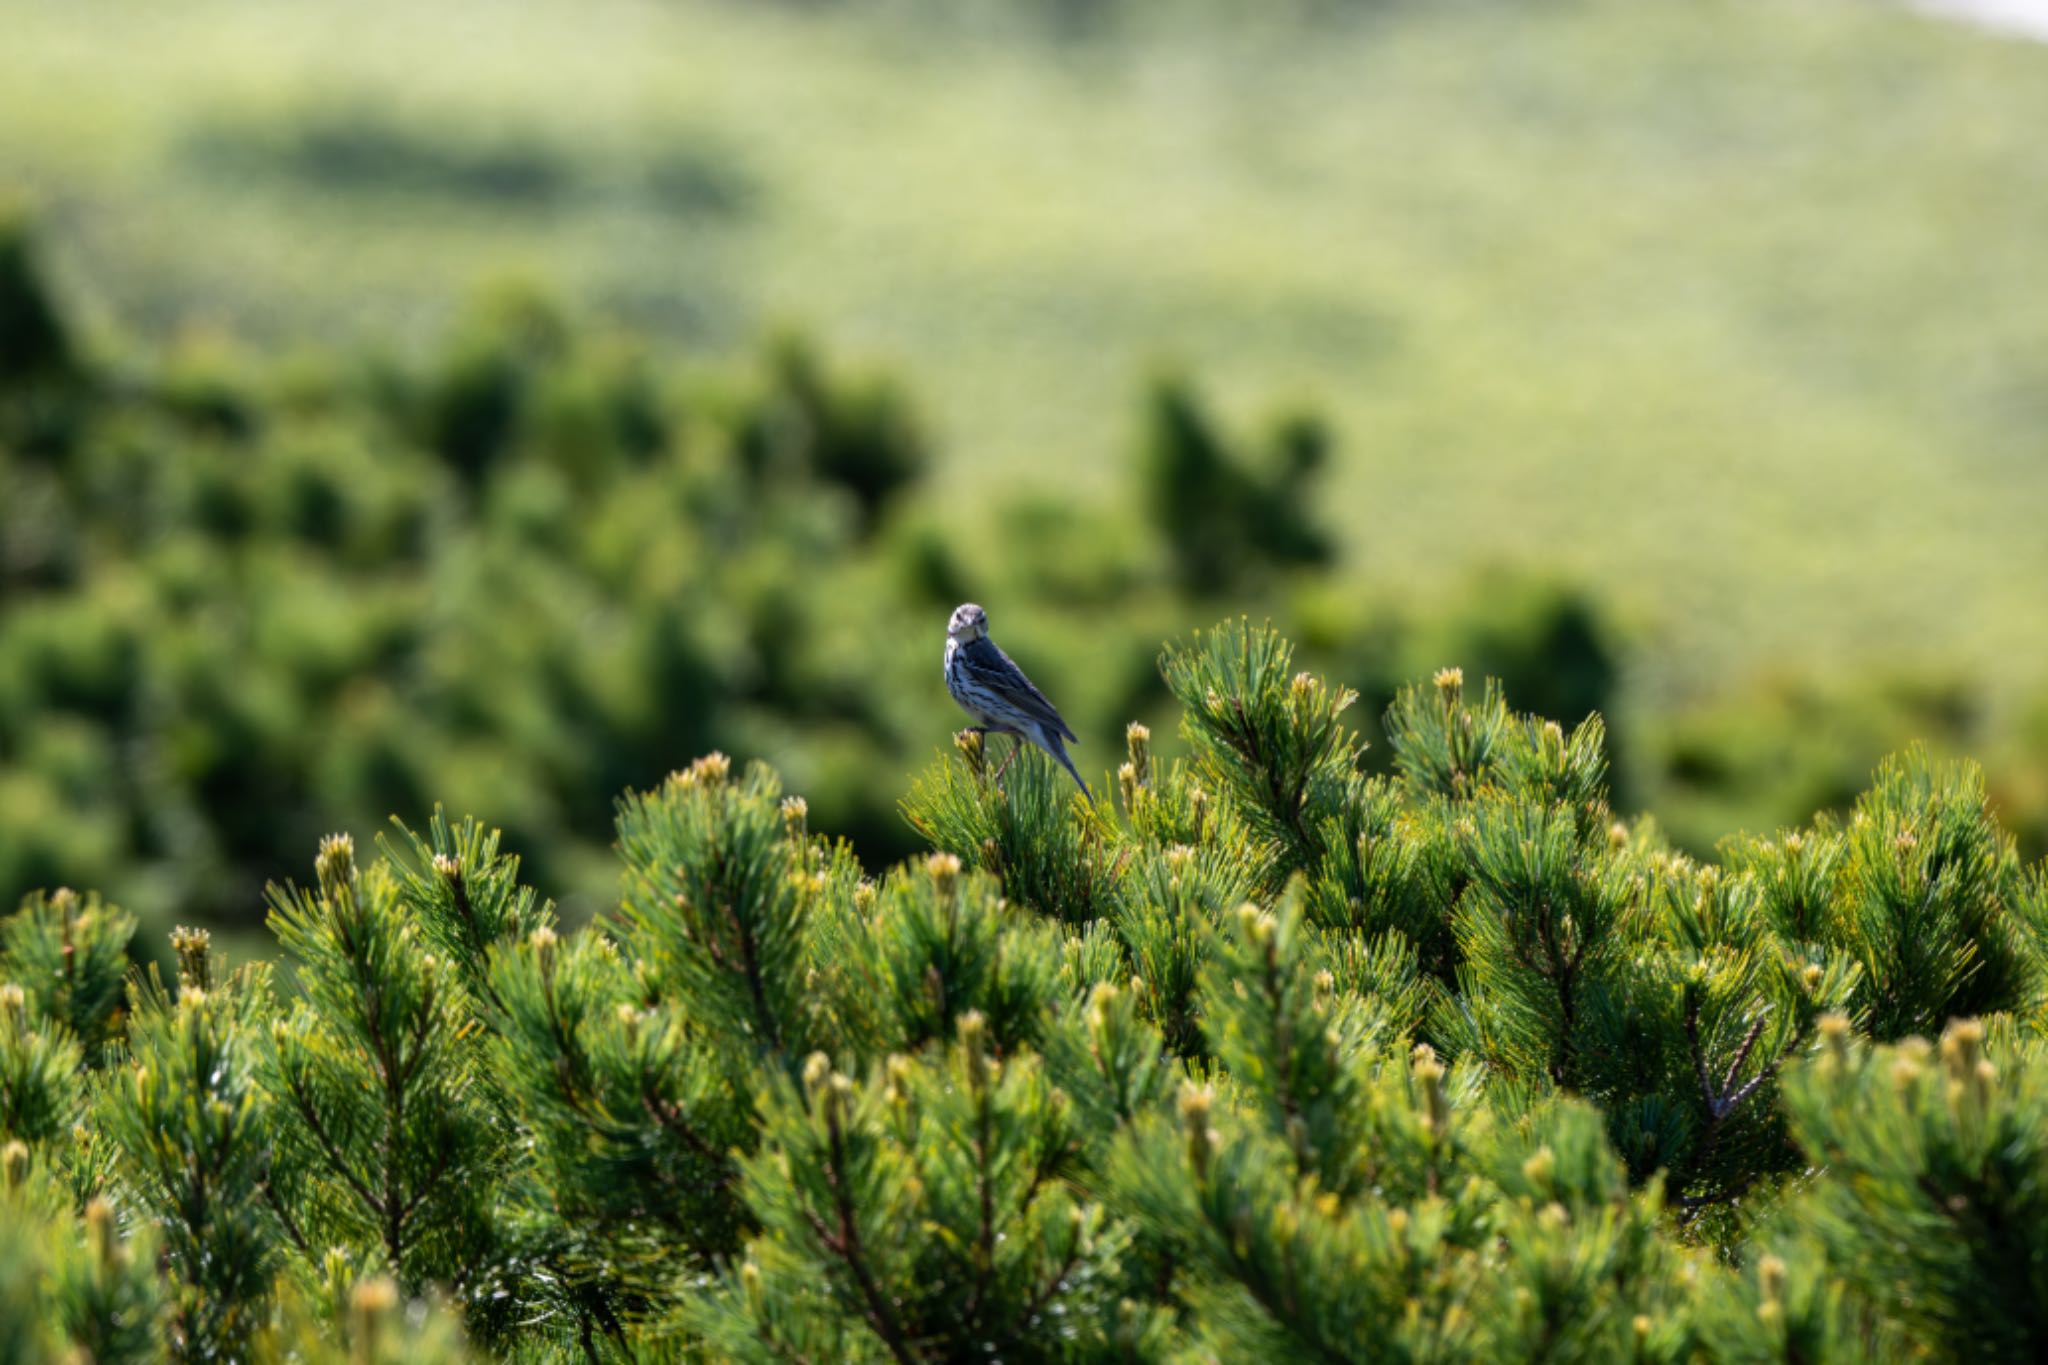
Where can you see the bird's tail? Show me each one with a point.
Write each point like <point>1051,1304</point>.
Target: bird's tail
<point>1053,745</point>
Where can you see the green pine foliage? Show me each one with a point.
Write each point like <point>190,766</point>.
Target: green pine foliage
<point>378,1016</point>
<point>1262,1056</point>
<point>71,953</point>
<point>195,1133</point>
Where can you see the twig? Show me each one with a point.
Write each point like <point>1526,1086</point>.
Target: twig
<point>846,1245</point>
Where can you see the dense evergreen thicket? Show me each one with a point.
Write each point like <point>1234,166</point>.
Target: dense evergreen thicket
<point>248,599</point>
<point>245,600</point>
<point>1264,1057</point>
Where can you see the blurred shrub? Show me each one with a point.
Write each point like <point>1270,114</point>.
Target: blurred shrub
<point>348,145</point>
<point>247,600</point>
<point>802,421</point>
<point>1773,754</point>
<point>358,148</point>
<point>258,599</point>
<point>33,340</point>
<point>694,176</point>
<point>1226,513</point>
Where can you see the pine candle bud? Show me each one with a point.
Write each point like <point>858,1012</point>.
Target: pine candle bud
<point>1101,1000</point>
<point>65,902</point>
<point>369,1304</point>
<point>1770,1279</point>
<point>191,996</point>
<point>1324,986</point>
<point>864,897</point>
<point>817,1067</point>
<point>446,868</point>
<point>1961,1045</point>
<point>973,1030</point>
<point>795,815</point>
<point>337,1273</point>
<point>1980,1082</point>
<point>711,770</point>
<point>1450,685</point>
<point>1436,1107</point>
<point>1641,1327</point>
<point>968,742</point>
<point>1834,1032</point>
<point>1617,835</point>
<point>544,940</point>
<point>1540,1166</point>
<point>838,1094</point>
<point>193,950</point>
<point>1127,782</point>
<point>13,1005</point>
<point>945,873</point>
<point>750,1285</point>
<point>897,1072</point>
<point>1194,1117</point>
<point>1810,977</point>
<point>1138,739</point>
<point>335,868</point>
<point>13,1164</point>
<point>99,1234</point>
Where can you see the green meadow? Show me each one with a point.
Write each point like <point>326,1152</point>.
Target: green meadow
<point>1733,308</point>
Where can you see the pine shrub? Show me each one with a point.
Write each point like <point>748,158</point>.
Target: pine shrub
<point>1264,1056</point>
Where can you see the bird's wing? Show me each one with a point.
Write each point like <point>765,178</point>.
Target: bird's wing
<point>1001,674</point>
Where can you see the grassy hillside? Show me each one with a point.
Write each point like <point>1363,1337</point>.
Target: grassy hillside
<point>1724,303</point>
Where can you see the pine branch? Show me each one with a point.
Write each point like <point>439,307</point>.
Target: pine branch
<point>846,1245</point>
<point>671,1120</point>
<point>304,1105</point>
<point>985,1199</point>
<point>284,1217</point>
<point>1045,1294</point>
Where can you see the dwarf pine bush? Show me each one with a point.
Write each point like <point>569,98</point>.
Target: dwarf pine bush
<point>1263,1057</point>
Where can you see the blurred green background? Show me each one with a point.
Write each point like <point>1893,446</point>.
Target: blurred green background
<point>501,404</point>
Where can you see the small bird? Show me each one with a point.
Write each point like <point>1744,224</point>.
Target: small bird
<point>993,690</point>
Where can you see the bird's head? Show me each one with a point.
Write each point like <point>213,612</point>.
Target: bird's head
<point>969,623</point>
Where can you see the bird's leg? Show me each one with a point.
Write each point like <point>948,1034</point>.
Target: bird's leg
<point>1016,745</point>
